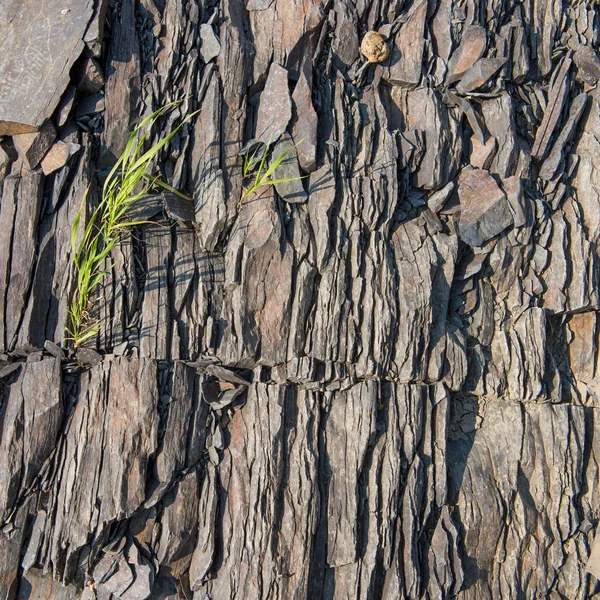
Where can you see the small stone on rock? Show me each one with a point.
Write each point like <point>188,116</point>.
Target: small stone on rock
<point>374,48</point>
<point>54,349</point>
<point>87,356</point>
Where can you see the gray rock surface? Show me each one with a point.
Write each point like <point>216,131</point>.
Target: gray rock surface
<point>39,42</point>
<point>389,390</point>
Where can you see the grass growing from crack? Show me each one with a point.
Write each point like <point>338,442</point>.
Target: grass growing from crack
<point>264,176</point>
<point>128,181</point>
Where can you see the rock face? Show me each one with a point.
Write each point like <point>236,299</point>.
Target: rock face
<point>378,382</point>
<point>39,42</point>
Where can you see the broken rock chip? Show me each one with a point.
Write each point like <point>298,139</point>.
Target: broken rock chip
<point>471,49</point>
<point>58,156</point>
<point>210,47</point>
<point>588,64</point>
<point>406,60</point>
<point>90,105</point>
<point>32,147</point>
<point>479,73</point>
<point>39,42</point>
<point>555,158</point>
<point>275,109</point>
<point>304,124</point>
<point>482,155</point>
<point>90,77</point>
<point>556,101</point>
<point>290,191</point>
<point>484,209</point>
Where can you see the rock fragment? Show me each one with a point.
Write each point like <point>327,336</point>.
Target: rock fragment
<point>58,156</point>
<point>482,155</point>
<point>484,209</point>
<point>290,191</point>
<point>304,123</point>
<point>90,77</point>
<point>552,163</point>
<point>472,47</point>
<point>407,52</point>
<point>275,109</point>
<point>90,105</point>
<point>211,46</point>
<point>436,201</point>
<point>32,147</point>
<point>556,102</point>
<point>65,106</point>
<point>479,74</point>
<point>588,64</point>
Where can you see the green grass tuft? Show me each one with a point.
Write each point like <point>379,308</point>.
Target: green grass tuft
<point>263,176</point>
<point>128,181</point>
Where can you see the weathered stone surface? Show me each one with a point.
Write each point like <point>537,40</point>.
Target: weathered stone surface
<point>35,586</point>
<point>36,73</point>
<point>337,398</point>
<point>30,420</point>
<point>123,84</point>
<point>275,109</point>
<point>425,112</point>
<point>484,210</point>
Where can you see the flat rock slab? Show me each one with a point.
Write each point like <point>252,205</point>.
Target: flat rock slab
<point>39,42</point>
<point>275,110</point>
<point>471,49</point>
<point>484,209</point>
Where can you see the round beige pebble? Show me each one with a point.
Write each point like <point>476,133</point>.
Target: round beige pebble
<point>374,48</point>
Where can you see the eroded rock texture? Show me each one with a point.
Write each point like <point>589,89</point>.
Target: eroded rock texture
<point>378,381</point>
